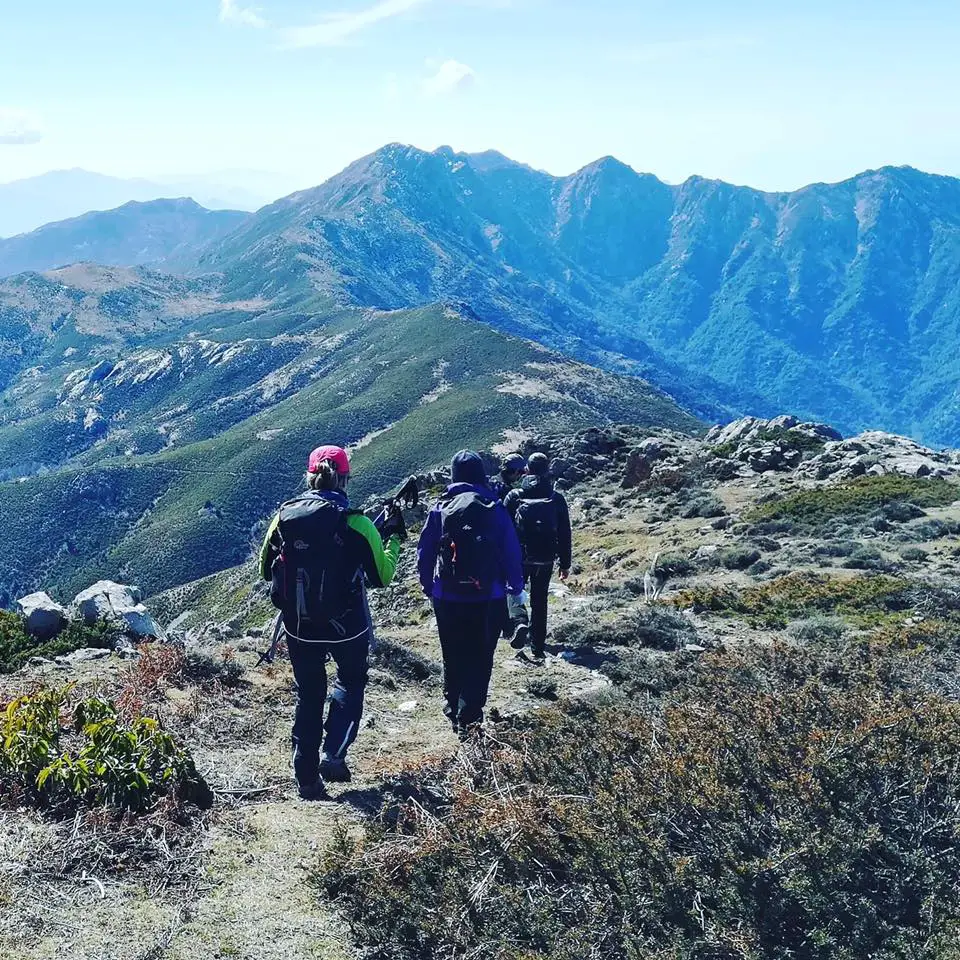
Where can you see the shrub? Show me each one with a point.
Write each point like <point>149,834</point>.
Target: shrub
<point>656,627</point>
<point>205,667</point>
<point>17,646</point>
<point>813,629</point>
<point>545,688</point>
<point>859,498</point>
<point>707,505</point>
<point>866,558</point>
<point>787,818</point>
<point>736,558</point>
<point>797,595</point>
<point>915,555</point>
<point>55,754</point>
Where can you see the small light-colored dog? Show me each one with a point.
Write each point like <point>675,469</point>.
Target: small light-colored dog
<point>653,583</point>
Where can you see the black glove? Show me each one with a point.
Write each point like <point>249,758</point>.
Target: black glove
<point>394,525</point>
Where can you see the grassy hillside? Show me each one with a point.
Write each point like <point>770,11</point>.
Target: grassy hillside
<point>418,385</point>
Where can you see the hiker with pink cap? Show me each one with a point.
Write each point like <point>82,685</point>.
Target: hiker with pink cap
<point>319,557</point>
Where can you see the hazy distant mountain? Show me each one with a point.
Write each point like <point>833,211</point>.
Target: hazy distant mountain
<point>158,233</point>
<point>838,301</point>
<point>62,194</point>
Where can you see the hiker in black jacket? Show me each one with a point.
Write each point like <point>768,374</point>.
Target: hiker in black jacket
<point>319,557</point>
<point>543,526</point>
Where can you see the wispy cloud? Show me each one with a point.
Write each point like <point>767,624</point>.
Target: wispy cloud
<point>232,12</point>
<point>335,29</point>
<point>451,77</point>
<point>17,127</point>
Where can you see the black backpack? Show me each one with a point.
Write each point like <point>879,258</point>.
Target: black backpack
<point>469,555</point>
<point>314,582</point>
<point>536,520</point>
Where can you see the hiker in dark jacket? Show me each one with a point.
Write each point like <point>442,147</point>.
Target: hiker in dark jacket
<point>468,560</point>
<point>319,557</point>
<point>542,520</point>
<point>511,473</point>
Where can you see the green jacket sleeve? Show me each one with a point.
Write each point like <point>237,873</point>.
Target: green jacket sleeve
<point>379,564</point>
<point>269,550</point>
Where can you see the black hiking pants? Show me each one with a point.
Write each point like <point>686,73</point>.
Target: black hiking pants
<point>468,639</point>
<point>346,705</point>
<point>538,580</point>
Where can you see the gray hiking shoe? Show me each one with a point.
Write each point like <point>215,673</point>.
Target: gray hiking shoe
<point>334,770</point>
<point>519,640</point>
<point>313,791</point>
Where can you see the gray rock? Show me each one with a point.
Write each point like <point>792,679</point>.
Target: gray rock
<point>114,602</point>
<point>45,617</point>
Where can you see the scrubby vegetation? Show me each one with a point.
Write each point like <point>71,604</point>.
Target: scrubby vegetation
<point>858,499</point>
<point>770,806</point>
<point>17,646</point>
<point>862,599</point>
<point>56,752</point>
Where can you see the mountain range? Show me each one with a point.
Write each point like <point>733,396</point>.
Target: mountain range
<point>33,202</point>
<point>160,233</point>
<point>419,302</point>
<point>839,302</point>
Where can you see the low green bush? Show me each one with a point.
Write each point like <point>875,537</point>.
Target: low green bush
<point>707,506</point>
<point>17,646</point>
<point>767,812</point>
<point>736,558</point>
<point>656,627</point>
<point>56,753</point>
<point>866,557</point>
<point>861,600</point>
<point>857,499</point>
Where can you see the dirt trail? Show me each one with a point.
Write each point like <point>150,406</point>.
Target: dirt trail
<point>254,899</point>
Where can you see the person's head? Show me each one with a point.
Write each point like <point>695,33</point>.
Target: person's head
<point>328,469</point>
<point>513,468</point>
<point>539,465</point>
<point>467,467</point>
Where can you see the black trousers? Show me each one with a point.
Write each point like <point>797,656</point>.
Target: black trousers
<point>538,585</point>
<point>468,639</point>
<point>346,704</point>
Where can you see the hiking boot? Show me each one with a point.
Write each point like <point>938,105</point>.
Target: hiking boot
<point>538,656</point>
<point>335,770</point>
<point>519,640</point>
<point>313,791</point>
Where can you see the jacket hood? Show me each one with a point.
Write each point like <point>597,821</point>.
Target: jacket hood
<point>467,467</point>
<point>539,485</point>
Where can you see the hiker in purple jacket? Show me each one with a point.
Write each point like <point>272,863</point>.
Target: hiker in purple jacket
<point>469,559</point>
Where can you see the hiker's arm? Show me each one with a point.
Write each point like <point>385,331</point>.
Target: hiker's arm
<point>379,563</point>
<point>564,534</point>
<point>268,551</point>
<point>427,550</point>
<point>511,554</point>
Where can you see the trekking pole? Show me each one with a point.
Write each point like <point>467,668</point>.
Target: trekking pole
<point>271,653</point>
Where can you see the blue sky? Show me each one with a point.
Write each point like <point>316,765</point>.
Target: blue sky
<point>772,94</point>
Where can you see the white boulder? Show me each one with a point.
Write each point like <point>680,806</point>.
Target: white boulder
<point>45,617</point>
<point>110,601</point>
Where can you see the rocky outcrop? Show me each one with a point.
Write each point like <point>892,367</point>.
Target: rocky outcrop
<point>45,617</point>
<point>780,444</point>
<point>119,604</point>
<point>748,429</point>
<point>875,453</point>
